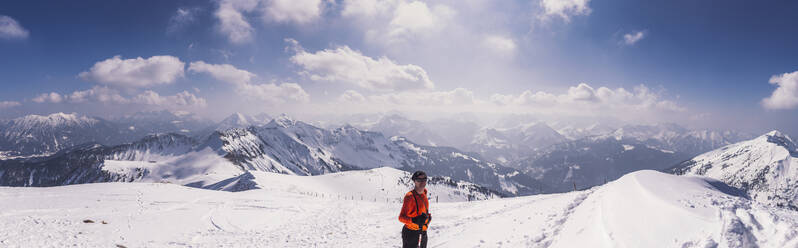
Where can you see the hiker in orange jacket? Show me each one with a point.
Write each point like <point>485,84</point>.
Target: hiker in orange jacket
<point>415,213</point>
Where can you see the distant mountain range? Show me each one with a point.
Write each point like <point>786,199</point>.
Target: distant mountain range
<point>515,157</point>
<point>283,145</point>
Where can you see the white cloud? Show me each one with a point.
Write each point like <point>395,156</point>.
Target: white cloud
<point>352,97</point>
<point>241,79</point>
<point>48,97</point>
<point>182,18</point>
<point>183,98</point>
<point>9,104</point>
<point>275,94</point>
<point>346,65</point>
<point>297,11</point>
<point>135,73</point>
<point>632,38</point>
<point>564,8</point>
<point>455,97</point>
<point>106,95</point>
<point>232,22</point>
<point>416,18</point>
<point>499,44</point>
<point>367,8</point>
<point>10,29</point>
<point>222,72</point>
<point>585,99</point>
<point>786,94</point>
<point>100,94</point>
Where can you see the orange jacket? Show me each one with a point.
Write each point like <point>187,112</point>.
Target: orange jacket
<point>409,209</point>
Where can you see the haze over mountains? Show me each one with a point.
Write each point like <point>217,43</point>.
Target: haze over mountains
<point>513,156</point>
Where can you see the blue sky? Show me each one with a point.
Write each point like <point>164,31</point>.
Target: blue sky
<point>698,63</point>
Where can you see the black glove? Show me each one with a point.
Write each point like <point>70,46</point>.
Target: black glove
<point>420,219</point>
<point>429,218</point>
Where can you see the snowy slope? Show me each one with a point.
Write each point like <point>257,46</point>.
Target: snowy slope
<point>766,167</point>
<point>383,184</point>
<point>642,209</point>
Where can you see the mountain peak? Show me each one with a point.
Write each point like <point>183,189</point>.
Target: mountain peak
<point>780,139</point>
<point>55,119</point>
<point>776,133</point>
<point>283,120</point>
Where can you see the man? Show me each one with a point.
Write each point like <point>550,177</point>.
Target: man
<point>415,213</point>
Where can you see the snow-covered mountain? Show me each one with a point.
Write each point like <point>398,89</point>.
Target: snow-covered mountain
<point>510,144</point>
<point>574,132</point>
<point>94,162</point>
<point>239,120</point>
<point>765,167</point>
<point>458,130</point>
<point>37,135</point>
<point>140,124</point>
<point>284,145</point>
<point>289,146</point>
<point>676,138</point>
<point>588,162</point>
<point>642,209</point>
<point>178,159</point>
<point>398,125</point>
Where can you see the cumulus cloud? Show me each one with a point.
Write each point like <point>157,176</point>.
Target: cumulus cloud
<point>48,97</point>
<point>351,96</point>
<point>222,72</point>
<point>564,9</point>
<point>11,29</point>
<point>457,97</point>
<point>786,94</point>
<point>632,38</point>
<point>183,98</point>
<point>584,98</point>
<point>343,64</point>
<point>9,104</point>
<point>274,93</point>
<point>106,95</point>
<point>499,44</point>
<point>233,22</point>
<point>135,73</point>
<point>411,18</point>
<point>367,8</point>
<point>241,79</point>
<point>296,11</point>
<point>99,94</point>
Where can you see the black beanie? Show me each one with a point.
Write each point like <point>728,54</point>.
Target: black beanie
<point>418,174</point>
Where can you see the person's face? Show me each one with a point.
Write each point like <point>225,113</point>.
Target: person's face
<point>421,181</point>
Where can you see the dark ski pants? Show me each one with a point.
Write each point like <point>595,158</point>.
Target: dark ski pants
<point>410,238</point>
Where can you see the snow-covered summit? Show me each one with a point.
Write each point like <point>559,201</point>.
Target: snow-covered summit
<point>36,134</point>
<point>766,167</point>
<point>53,120</point>
<point>239,120</point>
